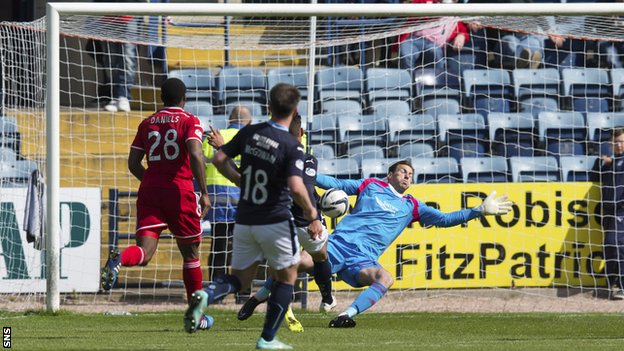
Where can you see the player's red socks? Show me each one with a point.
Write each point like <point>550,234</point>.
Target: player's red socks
<point>132,256</point>
<point>192,275</point>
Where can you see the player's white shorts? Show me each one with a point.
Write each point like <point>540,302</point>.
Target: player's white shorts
<point>277,243</point>
<point>306,241</point>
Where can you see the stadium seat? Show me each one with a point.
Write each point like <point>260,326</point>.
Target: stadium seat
<point>365,129</point>
<point>564,133</point>
<point>241,84</point>
<point>600,127</point>
<point>576,168</point>
<point>535,105</point>
<point>15,173</point>
<point>377,168</point>
<point>534,169</point>
<point>323,129</point>
<point>297,76</point>
<point>617,81</point>
<point>511,134</point>
<point>436,170</point>
<point>339,83</point>
<point>342,107</point>
<point>255,108</point>
<point>441,106</point>
<point>412,128</point>
<point>415,150</point>
<point>391,108</point>
<point>9,134</point>
<point>388,84</point>
<point>529,83</point>
<point>199,108</point>
<point>588,89</point>
<point>7,154</point>
<point>431,85</point>
<point>323,151</point>
<point>484,169</point>
<point>457,63</point>
<point>199,83</point>
<point>361,152</point>
<point>489,90</point>
<point>343,168</point>
<point>216,121</point>
<point>302,108</point>
<point>465,135</point>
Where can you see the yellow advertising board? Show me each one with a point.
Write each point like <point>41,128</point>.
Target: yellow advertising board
<point>551,238</point>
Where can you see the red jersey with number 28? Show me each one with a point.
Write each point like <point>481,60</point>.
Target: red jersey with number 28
<point>162,137</point>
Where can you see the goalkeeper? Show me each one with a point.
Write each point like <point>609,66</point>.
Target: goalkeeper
<point>380,214</point>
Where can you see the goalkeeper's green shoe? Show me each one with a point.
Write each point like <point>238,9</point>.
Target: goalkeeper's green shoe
<point>195,311</point>
<point>291,321</point>
<point>108,276</point>
<point>272,345</point>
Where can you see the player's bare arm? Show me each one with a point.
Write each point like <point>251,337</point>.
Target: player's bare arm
<point>198,167</point>
<point>135,163</point>
<point>225,165</point>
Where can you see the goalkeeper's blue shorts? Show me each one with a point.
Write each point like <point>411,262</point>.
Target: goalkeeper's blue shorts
<point>347,261</point>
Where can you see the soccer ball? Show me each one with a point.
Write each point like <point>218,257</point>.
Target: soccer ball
<point>334,203</point>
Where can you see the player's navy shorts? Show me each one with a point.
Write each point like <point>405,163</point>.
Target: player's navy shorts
<point>347,261</point>
<point>177,209</point>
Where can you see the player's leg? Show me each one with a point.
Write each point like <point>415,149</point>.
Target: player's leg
<point>378,281</point>
<point>321,267</point>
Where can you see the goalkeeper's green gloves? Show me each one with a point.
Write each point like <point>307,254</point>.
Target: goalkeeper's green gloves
<point>495,205</point>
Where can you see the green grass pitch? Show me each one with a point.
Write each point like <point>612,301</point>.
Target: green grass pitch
<point>375,331</point>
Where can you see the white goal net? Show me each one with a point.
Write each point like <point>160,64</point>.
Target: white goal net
<point>523,105</point>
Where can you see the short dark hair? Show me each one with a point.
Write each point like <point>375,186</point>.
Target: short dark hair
<point>394,166</point>
<point>283,100</point>
<point>172,91</point>
<point>295,125</point>
<point>617,132</point>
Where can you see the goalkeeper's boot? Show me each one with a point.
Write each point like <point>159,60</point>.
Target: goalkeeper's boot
<point>248,308</point>
<point>342,321</point>
<point>195,311</point>
<point>293,324</point>
<point>326,306</point>
<point>272,345</point>
<point>108,276</point>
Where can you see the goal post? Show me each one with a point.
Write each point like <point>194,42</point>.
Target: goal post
<point>85,146</point>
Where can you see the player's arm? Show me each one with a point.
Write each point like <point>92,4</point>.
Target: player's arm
<point>302,199</point>
<point>226,166</point>
<point>492,205</point>
<point>135,163</point>
<point>198,167</point>
<point>349,186</point>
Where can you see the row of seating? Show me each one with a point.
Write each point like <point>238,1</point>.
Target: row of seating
<point>14,172</point>
<point>479,85</point>
<point>469,170</point>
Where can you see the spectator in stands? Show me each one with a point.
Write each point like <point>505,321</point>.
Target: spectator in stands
<point>609,171</point>
<point>224,197</point>
<point>123,61</point>
<point>432,41</point>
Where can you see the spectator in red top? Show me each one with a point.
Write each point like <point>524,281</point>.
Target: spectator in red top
<point>432,40</point>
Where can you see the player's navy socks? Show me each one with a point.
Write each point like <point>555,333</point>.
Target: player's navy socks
<point>281,296</point>
<point>221,287</point>
<point>369,297</point>
<point>322,277</point>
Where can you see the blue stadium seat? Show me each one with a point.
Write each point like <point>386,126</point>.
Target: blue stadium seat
<point>431,85</point>
<point>588,88</point>
<point>256,108</point>
<point>199,83</point>
<point>535,105</point>
<point>377,168</point>
<point>576,168</point>
<point>369,152</point>
<point>413,128</point>
<point>241,83</point>
<point>600,129</point>
<point>365,129</point>
<point>342,107</point>
<point>323,129</point>
<point>416,149</point>
<point>530,83</point>
<point>617,81</point>
<point>391,108</point>
<point>9,134</point>
<point>7,154</point>
<point>323,151</point>
<point>564,133</point>
<point>199,108</point>
<point>511,134</point>
<point>216,121</point>
<point>343,168</point>
<point>339,83</point>
<point>436,170</point>
<point>441,106</point>
<point>457,63</point>
<point>484,169</point>
<point>297,76</point>
<point>465,135</point>
<point>388,84</point>
<point>489,90</point>
<point>534,169</point>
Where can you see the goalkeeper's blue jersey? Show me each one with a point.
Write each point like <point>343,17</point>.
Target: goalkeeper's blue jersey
<point>381,213</point>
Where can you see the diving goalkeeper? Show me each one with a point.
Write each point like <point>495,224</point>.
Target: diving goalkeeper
<point>380,214</point>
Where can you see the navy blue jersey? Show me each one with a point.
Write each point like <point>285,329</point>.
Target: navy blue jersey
<point>309,179</point>
<point>269,155</point>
